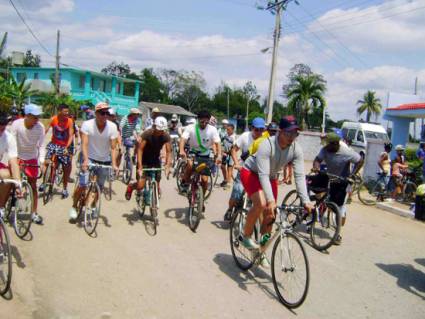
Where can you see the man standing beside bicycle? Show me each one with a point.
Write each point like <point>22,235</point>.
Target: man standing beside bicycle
<point>202,137</point>
<point>148,154</point>
<point>29,134</point>
<point>259,178</point>
<point>98,144</point>
<point>62,137</point>
<point>9,153</point>
<point>338,160</point>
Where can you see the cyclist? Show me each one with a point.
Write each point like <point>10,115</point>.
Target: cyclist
<point>131,127</point>
<point>113,118</point>
<point>88,113</point>
<point>29,134</point>
<point>202,137</point>
<point>173,128</point>
<point>338,160</point>
<point>98,144</point>
<point>228,141</point>
<point>259,178</point>
<point>148,154</point>
<point>150,120</point>
<point>243,144</point>
<point>62,137</point>
<point>9,150</point>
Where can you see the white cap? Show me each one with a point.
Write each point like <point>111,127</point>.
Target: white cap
<point>161,123</point>
<point>190,120</point>
<point>134,110</point>
<point>33,109</point>
<point>224,122</point>
<point>111,112</point>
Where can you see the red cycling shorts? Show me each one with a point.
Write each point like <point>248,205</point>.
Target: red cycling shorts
<point>31,172</point>
<point>251,182</point>
<point>3,166</point>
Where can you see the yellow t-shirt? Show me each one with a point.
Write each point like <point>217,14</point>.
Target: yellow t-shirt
<point>254,146</point>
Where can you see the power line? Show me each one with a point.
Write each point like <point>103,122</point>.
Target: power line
<point>29,29</point>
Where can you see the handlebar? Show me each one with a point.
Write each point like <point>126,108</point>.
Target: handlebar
<point>16,183</point>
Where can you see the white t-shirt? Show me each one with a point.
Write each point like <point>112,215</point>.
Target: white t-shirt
<point>99,143</point>
<point>8,148</point>
<point>209,136</point>
<point>29,141</point>
<point>244,141</point>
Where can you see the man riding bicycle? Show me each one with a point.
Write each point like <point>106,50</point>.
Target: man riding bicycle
<point>9,150</point>
<point>131,127</point>
<point>148,154</point>
<point>62,137</point>
<point>202,137</point>
<point>29,134</point>
<point>98,144</point>
<point>259,178</point>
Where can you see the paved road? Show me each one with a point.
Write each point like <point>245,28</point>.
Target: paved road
<point>378,272</point>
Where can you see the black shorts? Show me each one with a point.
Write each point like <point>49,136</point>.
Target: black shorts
<point>338,192</point>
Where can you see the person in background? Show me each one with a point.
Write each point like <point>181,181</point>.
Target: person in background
<point>397,171</point>
<point>400,153</point>
<point>420,154</point>
<point>222,130</point>
<point>113,118</point>
<point>150,120</point>
<point>88,113</point>
<point>384,163</point>
<point>173,127</point>
<point>227,141</point>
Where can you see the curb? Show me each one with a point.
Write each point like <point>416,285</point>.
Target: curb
<point>395,210</point>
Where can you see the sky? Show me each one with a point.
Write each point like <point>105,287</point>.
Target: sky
<point>356,45</point>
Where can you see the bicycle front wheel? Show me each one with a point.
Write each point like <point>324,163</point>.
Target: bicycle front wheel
<point>22,215</point>
<point>368,196</point>
<point>325,226</point>
<point>154,206</point>
<point>290,270</point>
<point>5,260</point>
<point>48,180</point>
<point>127,170</point>
<point>243,257</point>
<point>292,199</point>
<point>92,208</point>
<point>196,205</point>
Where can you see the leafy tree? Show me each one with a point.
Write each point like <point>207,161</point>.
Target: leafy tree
<point>19,92</point>
<point>299,69</point>
<point>251,94</point>
<point>369,104</point>
<point>118,69</point>
<point>169,79</point>
<point>306,94</point>
<point>31,60</point>
<point>152,89</point>
<point>189,88</point>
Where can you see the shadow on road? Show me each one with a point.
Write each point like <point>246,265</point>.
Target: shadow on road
<point>408,277</point>
<point>220,224</point>
<point>132,218</point>
<point>420,261</point>
<point>177,213</point>
<point>18,257</point>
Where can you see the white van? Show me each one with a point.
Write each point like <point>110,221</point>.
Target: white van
<point>359,133</point>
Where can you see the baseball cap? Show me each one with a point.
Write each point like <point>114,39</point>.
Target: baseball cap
<point>288,123</point>
<point>161,123</point>
<point>259,122</point>
<point>84,107</point>
<point>32,109</point>
<point>134,110</point>
<point>225,122</point>
<point>174,117</point>
<point>332,138</point>
<point>102,106</point>
<point>155,110</point>
<point>399,147</point>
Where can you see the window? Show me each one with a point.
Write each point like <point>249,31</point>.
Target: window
<point>118,88</point>
<point>102,85</point>
<point>376,135</point>
<point>21,76</point>
<point>35,76</point>
<point>351,134</point>
<point>81,82</point>
<point>360,137</point>
<point>108,86</point>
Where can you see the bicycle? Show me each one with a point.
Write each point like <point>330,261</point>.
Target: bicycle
<point>52,175</point>
<point>21,207</point>
<point>5,248</point>
<point>174,148</point>
<point>129,143</point>
<point>150,196</point>
<point>89,202</point>
<point>284,255</point>
<point>325,221</point>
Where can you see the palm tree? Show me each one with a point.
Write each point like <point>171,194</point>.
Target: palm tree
<point>306,94</point>
<point>370,104</point>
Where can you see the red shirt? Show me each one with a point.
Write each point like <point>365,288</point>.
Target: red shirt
<point>61,130</point>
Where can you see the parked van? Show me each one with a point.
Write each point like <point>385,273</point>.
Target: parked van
<point>359,133</point>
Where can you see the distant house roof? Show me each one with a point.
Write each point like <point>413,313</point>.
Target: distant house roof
<point>167,108</point>
<point>409,106</point>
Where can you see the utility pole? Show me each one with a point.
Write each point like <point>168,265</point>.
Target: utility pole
<point>276,8</point>
<point>57,77</point>
<point>228,98</point>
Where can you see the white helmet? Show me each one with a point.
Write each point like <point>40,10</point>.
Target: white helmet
<point>190,120</point>
<point>161,123</point>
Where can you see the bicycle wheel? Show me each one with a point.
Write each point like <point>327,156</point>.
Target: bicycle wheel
<point>92,211</point>
<point>215,171</point>
<point>409,192</point>
<point>210,186</point>
<point>127,169</point>
<point>154,206</point>
<point>58,175</point>
<point>47,183</point>
<point>290,199</point>
<point>368,196</point>
<point>196,205</point>
<point>108,190</point>
<point>23,209</point>
<point>179,175</point>
<point>325,226</point>
<point>290,270</point>
<point>5,260</point>
<point>243,257</point>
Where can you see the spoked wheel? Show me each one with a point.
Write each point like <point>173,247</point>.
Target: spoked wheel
<point>290,270</point>
<point>5,260</point>
<point>179,173</point>
<point>127,170</point>
<point>292,198</point>
<point>154,208</point>
<point>210,186</point>
<point>244,258</point>
<point>325,226</point>
<point>59,176</point>
<point>48,180</point>
<point>23,209</point>
<point>196,204</point>
<point>369,195</point>
<point>92,211</point>
<point>215,171</point>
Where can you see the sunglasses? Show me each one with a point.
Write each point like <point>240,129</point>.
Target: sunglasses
<point>104,113</point>
<point>292,134</point>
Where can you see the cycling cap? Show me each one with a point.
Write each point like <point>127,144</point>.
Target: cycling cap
<point>259,122</point>
<point>102,106</point>
<point>332,138</point>
<point>161,123</point>
<point>399,147</point>
<point>288,123</point>
<point>32,109</point>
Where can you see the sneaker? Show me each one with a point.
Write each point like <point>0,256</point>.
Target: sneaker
<point>249,243</point>
<point>128,192</point>
<point>73,214</point>
<point>64,194</point>
<point>338,240</point>
<point>223,184</point>
<point>41,188</point>
<point>264,261</point>
<point>228,215</point>
<point>37,219</point>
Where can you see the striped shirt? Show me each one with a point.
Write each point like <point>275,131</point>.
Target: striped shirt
<point>128,128</point>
